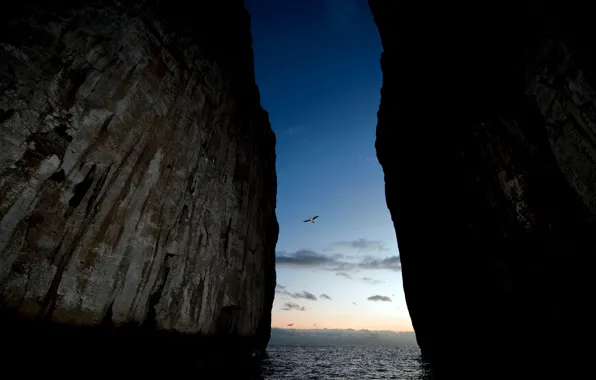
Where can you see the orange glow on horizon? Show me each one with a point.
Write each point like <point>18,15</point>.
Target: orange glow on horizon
<point>307,322</point>
<point>342,328</point>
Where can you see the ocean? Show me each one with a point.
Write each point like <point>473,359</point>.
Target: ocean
<point>343,362</point>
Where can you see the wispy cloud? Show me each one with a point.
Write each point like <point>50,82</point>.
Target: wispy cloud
<point>298,295</point>
<point>368,280</point>
<point>379,298</point>
<point>359,244</point>
<point>304,257</point>
<point>305,295</point>
<point>392,262</point>
<point>325,296</point>
<point>309,259</point>
<point>371,280</point>
<point>293,306</point>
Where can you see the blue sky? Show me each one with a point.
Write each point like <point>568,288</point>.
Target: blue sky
<point>318,71</point>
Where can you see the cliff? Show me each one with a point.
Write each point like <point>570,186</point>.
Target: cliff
<point>137,170</point>
<point>486,134</point>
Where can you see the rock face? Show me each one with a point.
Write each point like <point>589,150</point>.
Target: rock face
<point>137,169</point>
<point>487,138</point>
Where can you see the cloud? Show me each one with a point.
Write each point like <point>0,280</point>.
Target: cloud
<point>379,298</point>
<point>305,295</point>
<point>280,289</point>
<point>360,244</point>
<point>371,280</point>
<point>368,280</point>
<point>392,263</point>
<point>293,306</point>
<point>299,295</point>
<point>305,258</point>
<point>325,296</point>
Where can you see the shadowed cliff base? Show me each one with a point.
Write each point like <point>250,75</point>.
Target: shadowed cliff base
<point>127,345</point>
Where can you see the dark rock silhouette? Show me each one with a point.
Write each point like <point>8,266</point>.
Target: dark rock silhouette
<point>137,174</point>
<point>487,136</point>
<point>137,180</point>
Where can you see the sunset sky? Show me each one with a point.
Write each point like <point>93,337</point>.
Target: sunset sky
<point>317,67</point>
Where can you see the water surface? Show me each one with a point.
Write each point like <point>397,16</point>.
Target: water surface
<point>343,362</point>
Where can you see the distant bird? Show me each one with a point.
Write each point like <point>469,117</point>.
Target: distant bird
<point>312,220</point>
<point>290,325</point>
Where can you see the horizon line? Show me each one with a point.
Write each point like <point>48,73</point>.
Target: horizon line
<point>335,328</point>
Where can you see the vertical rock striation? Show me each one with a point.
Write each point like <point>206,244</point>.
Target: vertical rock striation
<point>487,138</point>
<point>137,169</point>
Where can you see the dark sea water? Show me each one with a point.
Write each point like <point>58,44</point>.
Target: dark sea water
<point>343,362</point>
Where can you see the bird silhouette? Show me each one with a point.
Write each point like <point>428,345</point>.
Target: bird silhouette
<point>312,220</point>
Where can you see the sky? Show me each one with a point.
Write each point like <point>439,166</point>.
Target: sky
<point>317,65</point>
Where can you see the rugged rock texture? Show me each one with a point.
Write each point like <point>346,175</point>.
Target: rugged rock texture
<point>137,169</point>
<point>487,137</point>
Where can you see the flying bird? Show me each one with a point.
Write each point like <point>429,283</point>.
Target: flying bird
<point>290,325</point>
<point>312,220</point>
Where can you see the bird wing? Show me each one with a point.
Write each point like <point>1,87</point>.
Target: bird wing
<point>315,217</point>
<point>307,220</point>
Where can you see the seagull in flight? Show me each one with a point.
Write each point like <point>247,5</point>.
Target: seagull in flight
<point>290,325</point>
<point>312,220</point>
